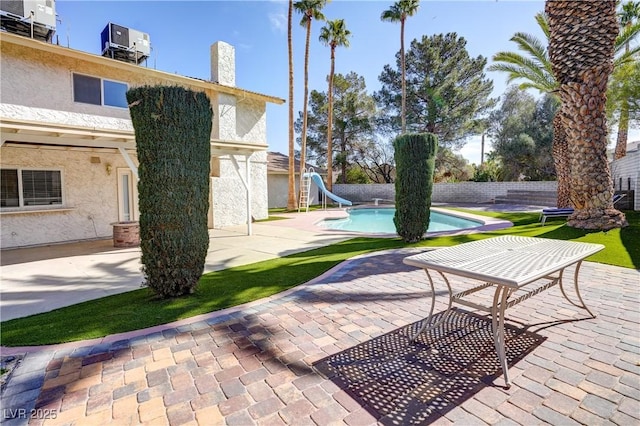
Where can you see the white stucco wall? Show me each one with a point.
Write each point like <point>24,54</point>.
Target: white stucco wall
<point>229,194</point>
<point>38,86</point>
<point>97,200</point>
<point>278,185</point>
<point>627,169</point>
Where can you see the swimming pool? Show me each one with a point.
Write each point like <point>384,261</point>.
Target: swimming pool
<point>380,221</point>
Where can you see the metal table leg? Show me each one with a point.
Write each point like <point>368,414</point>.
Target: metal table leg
<point>426,324</point>
<point>497,324</point>
<point>576,288</point>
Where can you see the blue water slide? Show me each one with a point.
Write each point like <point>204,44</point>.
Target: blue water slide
<point>318,181</point>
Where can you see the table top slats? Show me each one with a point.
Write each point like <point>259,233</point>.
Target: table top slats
<point>507,260</point>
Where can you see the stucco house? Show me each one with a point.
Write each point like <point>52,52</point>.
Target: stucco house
<point>278,180</point>
<point>626,176</point>
<point>68,159</point>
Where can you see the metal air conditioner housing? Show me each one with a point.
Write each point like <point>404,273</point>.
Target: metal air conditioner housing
<point>125,44</point>
<point>30,18</point>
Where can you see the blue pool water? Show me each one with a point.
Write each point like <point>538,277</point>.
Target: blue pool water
<point>381,221</point>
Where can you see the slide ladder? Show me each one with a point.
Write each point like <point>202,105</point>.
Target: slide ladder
<point>305,186</point>
<point>309,176</point>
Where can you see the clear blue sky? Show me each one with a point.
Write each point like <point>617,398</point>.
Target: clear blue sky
<point>181,33</point>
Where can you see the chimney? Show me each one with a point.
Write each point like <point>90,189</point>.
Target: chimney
<point>223,63</point>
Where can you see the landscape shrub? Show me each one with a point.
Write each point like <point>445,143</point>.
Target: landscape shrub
<point>415,156</point>
<point>173,130</point>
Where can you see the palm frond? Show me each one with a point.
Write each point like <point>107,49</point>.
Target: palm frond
<point>540,81</point>
<point>534,47</point>
<point>543,23</point>
<point>532,66</point>
<point>627,35</point>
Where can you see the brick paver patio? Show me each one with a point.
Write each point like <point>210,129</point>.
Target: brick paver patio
<point>334,351</point>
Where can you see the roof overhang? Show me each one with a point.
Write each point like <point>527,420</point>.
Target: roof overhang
<point>30,132</point>
<point>108,62</point>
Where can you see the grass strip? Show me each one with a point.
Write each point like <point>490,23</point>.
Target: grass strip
<point>230,287</point>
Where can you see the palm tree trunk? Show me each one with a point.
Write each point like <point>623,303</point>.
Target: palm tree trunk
<point>403,111</point>
<point>581,44</point>
<point>623,125</point>
<point>303,144</point>
<point>343,158</point>
<point>561,161</point>
<point>291,193</point>
<point>623,131</point>
<point>330,123</point>
<point>591,188</point>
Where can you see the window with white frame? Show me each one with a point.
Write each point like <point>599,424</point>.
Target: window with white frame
<point>98,91</point>
<point>24,187</point>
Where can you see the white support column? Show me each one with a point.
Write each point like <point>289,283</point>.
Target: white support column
<point>246,181</point>
<point>129,161</point>
<point>248,185</point>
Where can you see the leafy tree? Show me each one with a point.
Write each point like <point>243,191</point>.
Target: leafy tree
<point>521,131</point>
<point>310,10</point>
<point>334,34</point>
<point>354,114</point>
<point>173,130</point>
<point>399,12</point>
<point>451,167</point>
<point>489,171</point>
<point>375,158</point>
<point>356,175</point>
<point>415,155</point>
<point>291,186</point>
<point>446,90</point>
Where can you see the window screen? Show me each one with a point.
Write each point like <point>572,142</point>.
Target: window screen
<point>41,187</point>
<point>9,188</point>
<point>86,89</point>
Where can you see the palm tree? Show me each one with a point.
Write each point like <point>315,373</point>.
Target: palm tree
<point>334,34</point>
<point>399,12</point>
<point>291,192</point>
<point>535,71</point>
<point>628,16</point>
<point>581,66</point>
<point>310,10</point>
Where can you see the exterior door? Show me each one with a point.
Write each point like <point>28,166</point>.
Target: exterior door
<point>127,196</point>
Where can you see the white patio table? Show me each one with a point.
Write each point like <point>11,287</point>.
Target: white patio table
<point>509,263</point>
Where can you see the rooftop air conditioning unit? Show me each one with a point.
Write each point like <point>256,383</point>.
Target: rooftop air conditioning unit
<point>125,44</point>
<point>30,18</point>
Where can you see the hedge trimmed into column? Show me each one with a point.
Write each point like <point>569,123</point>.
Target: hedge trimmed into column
<point>173,130</point>
<point>415,156</point>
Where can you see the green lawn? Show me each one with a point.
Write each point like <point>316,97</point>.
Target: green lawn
<point>230,287</point>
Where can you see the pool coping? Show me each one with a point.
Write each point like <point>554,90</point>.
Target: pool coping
<point>488,223</point>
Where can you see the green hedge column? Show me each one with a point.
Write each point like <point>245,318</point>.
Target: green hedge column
<point>173,130</point>
<point>415,156</point>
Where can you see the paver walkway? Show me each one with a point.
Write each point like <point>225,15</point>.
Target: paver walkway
<point>270,362</point>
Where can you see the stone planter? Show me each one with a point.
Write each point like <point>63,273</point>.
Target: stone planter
<point>126,234</point>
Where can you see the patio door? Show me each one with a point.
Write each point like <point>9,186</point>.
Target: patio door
<point>127,196</point>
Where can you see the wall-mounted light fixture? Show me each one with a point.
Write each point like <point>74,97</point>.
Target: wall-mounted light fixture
<point>108,167</point>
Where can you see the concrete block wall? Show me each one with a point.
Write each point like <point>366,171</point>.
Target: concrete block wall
<point>462,192</point>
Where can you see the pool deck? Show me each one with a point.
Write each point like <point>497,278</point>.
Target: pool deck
<point>334,351</point>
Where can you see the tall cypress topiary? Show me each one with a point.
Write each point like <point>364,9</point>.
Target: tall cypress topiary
<point>173,130</point>
<point>415,156</point>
